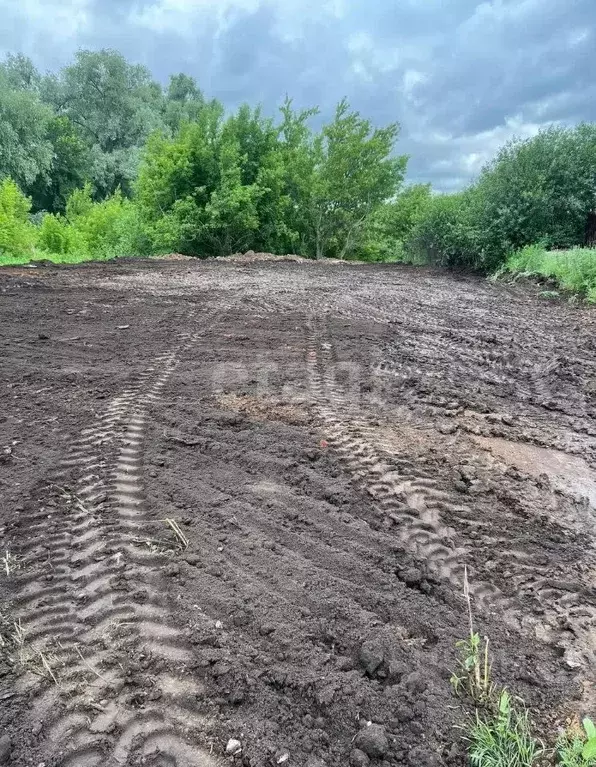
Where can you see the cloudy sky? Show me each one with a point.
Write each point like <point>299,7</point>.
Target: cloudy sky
<point>461,76</point>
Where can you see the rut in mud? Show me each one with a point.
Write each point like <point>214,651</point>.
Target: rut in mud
<point>336,444</point>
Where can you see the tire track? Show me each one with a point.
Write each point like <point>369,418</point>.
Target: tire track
<point>92,605</point>
<point>412,502</point>
<point>416,507</point>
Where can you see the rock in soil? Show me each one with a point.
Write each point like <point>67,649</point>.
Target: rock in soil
<point>233,747</point>
<point>373,741</point>
<point>358,758</point>
<point>371,656</point>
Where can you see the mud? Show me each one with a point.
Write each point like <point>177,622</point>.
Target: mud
<point>333,444</point>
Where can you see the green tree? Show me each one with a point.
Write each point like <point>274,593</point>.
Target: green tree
<point>176,180</point>
<point>539,189</point>
<point>445,233</point>
<point>355,172</point>
<point>262,170</point>
<point>20,73</point>
<point>182,103</point>
<point>114,106</point>
<point>392,224</point>
<point>231,215</point>
<point>69,168</point>
<point>298,165</point>
<point>25,148</point>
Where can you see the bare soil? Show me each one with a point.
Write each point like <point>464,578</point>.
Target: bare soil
<point>335,444</point>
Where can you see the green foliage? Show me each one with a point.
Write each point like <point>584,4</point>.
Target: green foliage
<point>17,234</point>
<point>20,73</point>
<point>577,748</point>
<point>225,185</point>
<point>474,671</point>
<point>503,739</point>
<point>92,230</point>
<point>500,734</point>
<point>573,269</point>
<point>55,236</point>
<point>354,172</point>
<point>208,184</point>
<point>540,189</point>
<point>183,102</point>
<point>25,148</point>
<point>68,169</point>
<point>392,224</point>
<point>445,232</point>
<point>114,106</point>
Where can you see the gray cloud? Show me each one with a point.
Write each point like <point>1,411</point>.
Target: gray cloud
<point>461,76</point>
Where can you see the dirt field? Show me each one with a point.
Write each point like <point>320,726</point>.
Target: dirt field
<point>334,443</point>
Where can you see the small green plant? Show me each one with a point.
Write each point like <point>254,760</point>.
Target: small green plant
<point>473,675</point>
<point>504,739</point>
<point>577,747</point>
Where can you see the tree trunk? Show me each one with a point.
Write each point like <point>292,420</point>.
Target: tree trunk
<point>590,234</point>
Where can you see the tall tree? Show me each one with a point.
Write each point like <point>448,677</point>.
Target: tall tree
<point>69,168</point>
<point>20,73</point>
<point>25,149</point>
<point>114,106</point>
<point>355,172</point>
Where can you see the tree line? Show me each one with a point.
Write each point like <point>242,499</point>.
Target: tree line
<point>102,140</point>
<point>99,159</point>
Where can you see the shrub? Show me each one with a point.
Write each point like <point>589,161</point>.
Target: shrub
<point>55,235</point>
<point>391,225</point>
<point>538,190</point>
<point>445,233</point>
<point>93,229</point>
<point>577,747</point>
<point>17,234</point>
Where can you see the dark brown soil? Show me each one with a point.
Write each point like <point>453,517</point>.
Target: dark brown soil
<point>335,444</point>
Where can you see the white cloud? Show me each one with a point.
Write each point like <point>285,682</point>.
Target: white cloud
<point>292,16</point>
<point>63,20</point>
<point>180,15</point>
<point>369,59</point>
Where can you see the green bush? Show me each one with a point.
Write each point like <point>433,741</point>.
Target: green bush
<point>538,190</point>
<point>391,225</point>
<point>445,233</point>
<point>17,234</point>
<point>578,748</point>
<point>101,226</point>
<point>90,230</point>
<point>55,235</point>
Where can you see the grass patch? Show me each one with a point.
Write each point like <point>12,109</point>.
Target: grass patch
<point>500,733</point>
<point>503,739</point>
<point>573,270</point>
<point>54,258</point>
